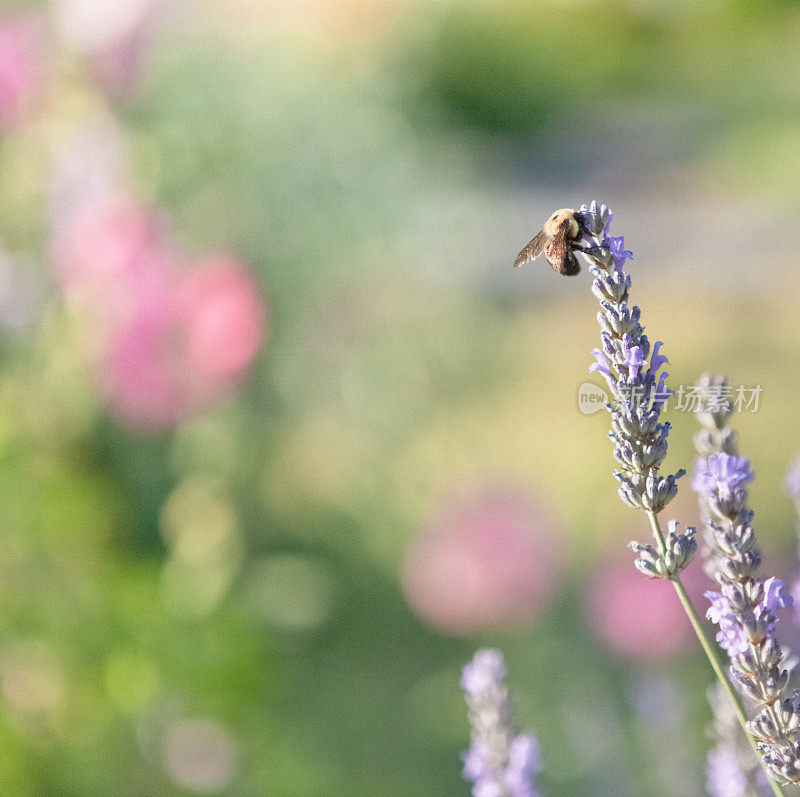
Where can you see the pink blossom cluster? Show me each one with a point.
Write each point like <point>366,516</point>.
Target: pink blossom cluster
<point>490,558</point>
<point>24,66</point>
<point>168,338</point>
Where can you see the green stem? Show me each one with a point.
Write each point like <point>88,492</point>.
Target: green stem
<point>714,655</point>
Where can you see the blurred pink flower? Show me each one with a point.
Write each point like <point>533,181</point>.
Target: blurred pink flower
<point>140,369</point>
<point>119,68</point>
<point>113,257</point>
<point>168,342</point>
<point>640,617</point>
<point>490,559</point>
<point>23,65</point>
<point>224,318</point>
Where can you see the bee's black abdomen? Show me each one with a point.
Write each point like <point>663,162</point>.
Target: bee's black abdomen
<point>571,265</point>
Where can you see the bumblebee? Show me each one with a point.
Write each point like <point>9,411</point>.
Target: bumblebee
<point>557,241</point>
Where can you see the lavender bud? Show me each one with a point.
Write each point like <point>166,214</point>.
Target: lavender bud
<point>762,728</point>
<point>680,549</point>
<point>596,218</point>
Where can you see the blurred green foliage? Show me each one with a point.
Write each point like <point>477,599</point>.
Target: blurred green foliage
<point>380,388</point>
<point>519,68</point>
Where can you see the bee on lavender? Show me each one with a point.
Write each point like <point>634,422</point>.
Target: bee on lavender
<point>557,240</point>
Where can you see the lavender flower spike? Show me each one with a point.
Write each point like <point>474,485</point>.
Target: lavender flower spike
<point>746,606</point>
<point>715,437</point>
<point>501,762</point>
<point>638,394</point>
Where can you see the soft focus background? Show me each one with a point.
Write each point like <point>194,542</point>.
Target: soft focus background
<point>284,438</point>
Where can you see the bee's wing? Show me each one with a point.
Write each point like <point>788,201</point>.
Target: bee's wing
<point>557,249</point>
<point>532,250</point>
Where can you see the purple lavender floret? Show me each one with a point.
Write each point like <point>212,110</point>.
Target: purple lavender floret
<point>634,361</point>
<point>732,636</point>
<point>618,250</point>
<point>501,762</point>
<point>656,358</point>
<point>602,365</point>
<point>721,474</point>
<point>776,595</point>
<point>662,392</point>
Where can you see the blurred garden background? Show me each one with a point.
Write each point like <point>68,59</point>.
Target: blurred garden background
<point>284,438</point>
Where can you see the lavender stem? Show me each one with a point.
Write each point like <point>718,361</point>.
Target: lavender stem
<point>713,653</point>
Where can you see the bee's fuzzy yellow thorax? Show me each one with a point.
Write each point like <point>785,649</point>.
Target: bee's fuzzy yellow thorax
<point>558,218</point>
